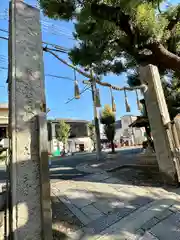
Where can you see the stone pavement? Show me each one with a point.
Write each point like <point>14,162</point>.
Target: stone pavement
<point>112,209</point>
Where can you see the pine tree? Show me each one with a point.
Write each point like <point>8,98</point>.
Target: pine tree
<point>108,120</point>
<point>63,132</point>
<point>118,36</point>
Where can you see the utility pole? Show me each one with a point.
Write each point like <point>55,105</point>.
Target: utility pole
<point>132,134</point>
<point>96,120</point>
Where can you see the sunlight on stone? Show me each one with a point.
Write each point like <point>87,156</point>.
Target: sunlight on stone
<point>35,75</point>
<point>19,73</point>
<point>60,169</point>
<point>23,208</point>
<point>76,194</point>
<point>36,57</point>
<point>115,204</point>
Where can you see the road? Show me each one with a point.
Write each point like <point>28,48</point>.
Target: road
<point>65,168</point>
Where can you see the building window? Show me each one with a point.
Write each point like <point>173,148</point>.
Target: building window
<point>3,132</point>
<point>49,129</point>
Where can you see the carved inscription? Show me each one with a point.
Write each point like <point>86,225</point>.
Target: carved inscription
<point>29,51</point>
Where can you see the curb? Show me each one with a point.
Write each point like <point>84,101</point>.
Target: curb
<point>131,166</point>
<point>88,169</point>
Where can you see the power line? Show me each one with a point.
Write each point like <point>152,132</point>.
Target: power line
<point>50,27</point>
<point>4,68</point>
<point>91,77</point>
<point>49,75</point>
<point>3,30</point>
<point>58,47</point>
<point>58,50</point>
<point>3,59</point>
<point>55,29</point>
<point>68,64</point>
<point>105,84</point>
<point>83,91</point>
<point>5,38</point>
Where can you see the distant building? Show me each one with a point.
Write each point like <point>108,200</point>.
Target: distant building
<point>3,120</point>
<point>118,127</point>
<point>79,136</point>
<point>102,134</point>
<point>125,134</point>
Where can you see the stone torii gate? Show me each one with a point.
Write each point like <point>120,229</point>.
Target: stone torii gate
<point>30,207</point>
<point>159,120</point>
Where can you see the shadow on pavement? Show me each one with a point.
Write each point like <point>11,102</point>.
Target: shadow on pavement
<point>105,199</point>
<point>110,206</point>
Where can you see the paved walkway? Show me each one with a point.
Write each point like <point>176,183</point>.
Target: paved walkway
<point>112,209</point>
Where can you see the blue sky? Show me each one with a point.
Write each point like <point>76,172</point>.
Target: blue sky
<point>59,90</point>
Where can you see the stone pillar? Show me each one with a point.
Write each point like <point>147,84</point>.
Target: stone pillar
<point>159,117</point>
<point>30,209</point>
<point>177,130</point>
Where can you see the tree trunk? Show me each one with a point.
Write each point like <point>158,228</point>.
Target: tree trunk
<point>64,147</point>
<point>94,146</point>
<point>163,57</point>
<point>112,146</point>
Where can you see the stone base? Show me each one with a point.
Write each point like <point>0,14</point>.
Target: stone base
<point>149,159</point>
<point>168,180</point>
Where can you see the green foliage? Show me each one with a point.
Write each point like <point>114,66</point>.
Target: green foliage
<point>63,131</point>
<point>108,120</point>
<point>107,115</point>
<point>171,87</point>
<point>109,131</point>
<point>58,9</point>
<point>92,133</point>
<point>172,95</point>
<point>150,24</point>
<point>118,35</point>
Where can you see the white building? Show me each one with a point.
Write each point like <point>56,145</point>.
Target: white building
<point>132,136</point>
<point>126,134</point>
<point>3,120</point>
<point>78,141</point>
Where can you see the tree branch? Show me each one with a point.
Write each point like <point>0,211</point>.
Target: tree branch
<point>174,21</point>
<point>158,6</point>
<point>67,64</point>
<point>114,14</point>
<point>160,56</point>
<point>164,58</point>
